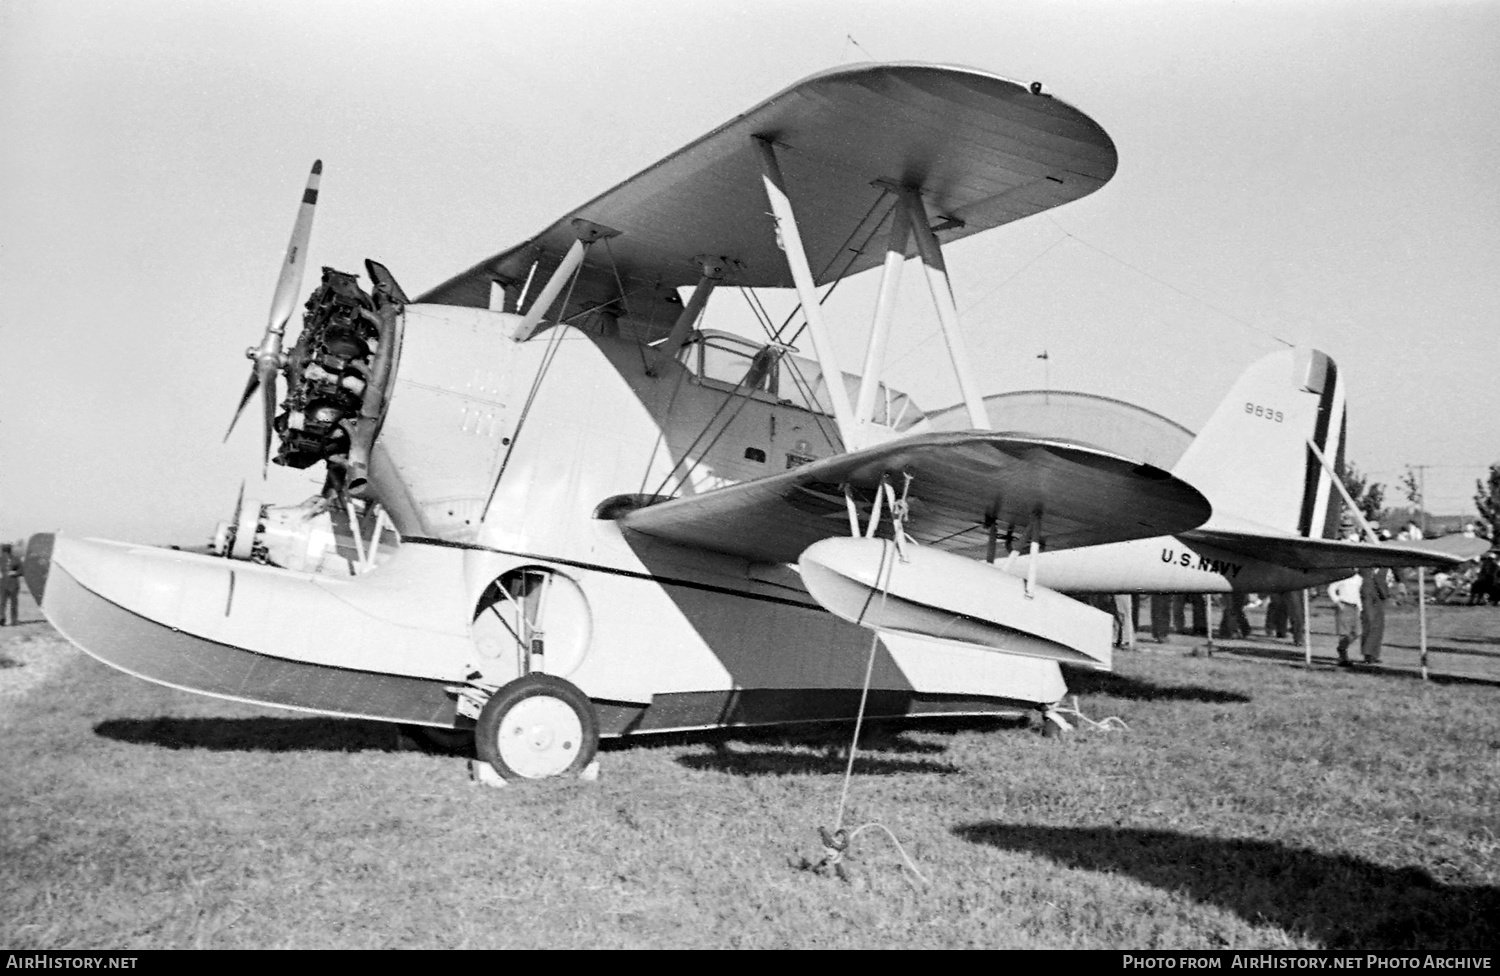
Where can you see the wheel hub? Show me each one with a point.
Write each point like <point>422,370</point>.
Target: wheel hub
<point>540,737</point>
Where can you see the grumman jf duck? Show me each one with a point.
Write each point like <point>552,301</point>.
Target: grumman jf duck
<point>558,506</point>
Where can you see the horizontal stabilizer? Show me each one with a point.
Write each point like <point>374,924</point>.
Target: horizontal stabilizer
<point>1313,554</point>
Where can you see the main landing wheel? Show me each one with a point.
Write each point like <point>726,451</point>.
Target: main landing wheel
<point>536,727</point>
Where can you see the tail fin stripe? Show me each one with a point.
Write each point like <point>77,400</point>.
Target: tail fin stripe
<point>1315,473</point>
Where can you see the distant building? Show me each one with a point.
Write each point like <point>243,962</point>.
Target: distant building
<point>1395,520</point>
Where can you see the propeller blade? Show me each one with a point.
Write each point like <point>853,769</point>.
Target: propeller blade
<point>250,389</point>
<point>268,398</point>
<point>289,284</point>
<point>267,356</point>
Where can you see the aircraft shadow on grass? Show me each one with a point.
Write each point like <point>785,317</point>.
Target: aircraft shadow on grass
<point>1296,657</point>
<point>1336,900</point>
<point>1089,682</point>
<point>771,749</point>
<point>254,734</point>
<point>1483,641</point>
<point>831,763</point>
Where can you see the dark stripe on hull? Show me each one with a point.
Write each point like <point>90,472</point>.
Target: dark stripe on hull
<point>1314,467</point>
<point>784,706</point>
<point>147,649</point>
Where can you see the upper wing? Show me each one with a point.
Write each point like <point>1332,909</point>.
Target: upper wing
<point>983,150</point>
<point>1077,496</point>
<point>1299,552</point>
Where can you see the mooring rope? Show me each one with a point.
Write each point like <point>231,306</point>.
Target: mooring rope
<point>837,841</point>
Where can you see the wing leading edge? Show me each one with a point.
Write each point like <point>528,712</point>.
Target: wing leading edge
<point>1069,493</point>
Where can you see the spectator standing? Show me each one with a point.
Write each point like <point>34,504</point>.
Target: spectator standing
<point>1161,617</point>
<point>1345,597</point>
<point>1180,603</point>
<point>1234,623</point>
<point>1125,621</point>
<point>1285,614</point>
<point>1374,591</point>
<point>10,586</point>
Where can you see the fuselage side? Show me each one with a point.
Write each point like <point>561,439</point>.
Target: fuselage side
<point>505,450</point>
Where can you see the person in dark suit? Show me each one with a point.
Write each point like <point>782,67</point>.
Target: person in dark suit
<point>1234,625</point>
<point>1198,602</point>
<point>1374,592</point>
<point>1486,585</point>
<point>1285,614</point>
<point>10,586</point>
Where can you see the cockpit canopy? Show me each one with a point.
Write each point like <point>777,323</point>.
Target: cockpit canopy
<point>774,373</point>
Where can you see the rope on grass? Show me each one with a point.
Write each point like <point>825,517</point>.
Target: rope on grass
<point>1103,725</point>
<point>894,840</point>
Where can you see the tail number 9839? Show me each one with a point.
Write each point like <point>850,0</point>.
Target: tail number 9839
<point>1257,410</point>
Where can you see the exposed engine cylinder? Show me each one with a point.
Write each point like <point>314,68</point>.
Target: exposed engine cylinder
<point>327,372</point>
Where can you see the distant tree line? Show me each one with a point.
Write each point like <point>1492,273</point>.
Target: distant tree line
<point>1487,501</point>
<point>1369,496</point>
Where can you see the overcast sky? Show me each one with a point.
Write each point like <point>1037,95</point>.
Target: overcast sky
<point>1315,172</point>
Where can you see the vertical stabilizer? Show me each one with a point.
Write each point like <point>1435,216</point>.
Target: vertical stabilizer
<point>1251,459</point>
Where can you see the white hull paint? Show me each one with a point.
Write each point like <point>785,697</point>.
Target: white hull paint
<point>674,645</point>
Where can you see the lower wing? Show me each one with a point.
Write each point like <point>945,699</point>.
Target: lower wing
<point>962,487</point>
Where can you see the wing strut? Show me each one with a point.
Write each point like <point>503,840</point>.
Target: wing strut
<point>588,232</point>
<point>713,273</point>
<point>880,329</point>
<point>796,259</point>
<point>942,298</point>
<point>1338,483</point>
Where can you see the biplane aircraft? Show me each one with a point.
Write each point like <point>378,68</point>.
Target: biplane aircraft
<point>556,507</point>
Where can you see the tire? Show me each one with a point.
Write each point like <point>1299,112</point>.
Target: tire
<point>537,727</point>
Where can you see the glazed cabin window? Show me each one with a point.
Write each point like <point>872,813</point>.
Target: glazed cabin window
<point>731,362</point>
<point>802,384</point>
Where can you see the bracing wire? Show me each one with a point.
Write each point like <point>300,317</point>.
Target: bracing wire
<point>853,255</point>
<point>800,381</point>
<point>688,454</point>
<point>620,284</point>
<point>1167,284</point>
<point>536,384</point>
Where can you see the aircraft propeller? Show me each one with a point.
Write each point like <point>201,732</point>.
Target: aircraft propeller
<point>268,357</point>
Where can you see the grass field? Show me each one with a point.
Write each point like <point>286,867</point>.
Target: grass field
<point>1251,804</point>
